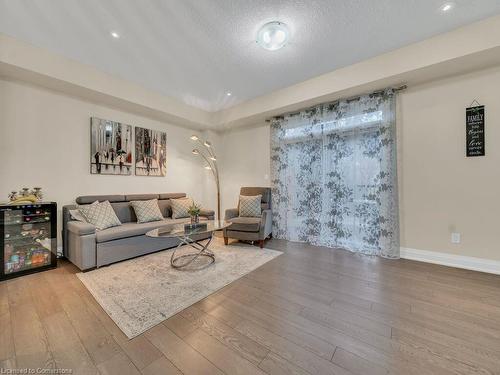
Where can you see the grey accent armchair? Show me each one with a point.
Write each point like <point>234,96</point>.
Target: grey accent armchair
<point>251,228</point>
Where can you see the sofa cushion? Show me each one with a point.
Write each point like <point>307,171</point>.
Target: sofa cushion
<point>124,211</point>
<point>245,224</point>
<point>264,191</point>
<point>101,215</point>
<point>141,197</point>
<point>133,229</point>
<point>172,195</point>
<point>147,211</point>
<point>87,199</point>
<point>165,207</point>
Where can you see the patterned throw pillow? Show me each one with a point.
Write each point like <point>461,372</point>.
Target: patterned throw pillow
<point>147,211</point>
<point>250,206</point>
<point>180,207</point>
<point>101,215</point>
<point>76,213</point>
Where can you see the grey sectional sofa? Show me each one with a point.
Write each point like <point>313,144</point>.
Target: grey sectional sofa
<point>87,248</point>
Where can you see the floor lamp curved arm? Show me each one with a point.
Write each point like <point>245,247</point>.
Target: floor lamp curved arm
<point>210,159</point>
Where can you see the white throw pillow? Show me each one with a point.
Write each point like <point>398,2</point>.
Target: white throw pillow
<point>77,215</point>
<point>250,206</point>
<point>180,207</point>
<point>147,211</point>
<point>101,215</point>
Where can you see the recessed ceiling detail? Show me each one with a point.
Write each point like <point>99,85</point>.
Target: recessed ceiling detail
<point>196,50</point>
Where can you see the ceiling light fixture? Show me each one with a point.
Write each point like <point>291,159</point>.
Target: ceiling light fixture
<point>228,94</point>
<point>115,35</point>
<point>273,36</point>
<point>446,7</point>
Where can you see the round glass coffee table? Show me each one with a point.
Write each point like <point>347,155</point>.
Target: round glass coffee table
<point>192,260</point>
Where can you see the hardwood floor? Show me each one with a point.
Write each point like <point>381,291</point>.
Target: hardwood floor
<point>310,311</point>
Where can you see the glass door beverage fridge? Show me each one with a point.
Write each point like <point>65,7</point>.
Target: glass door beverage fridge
<point>28,238</point>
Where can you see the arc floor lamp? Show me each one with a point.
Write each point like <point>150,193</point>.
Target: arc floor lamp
<point>208,154</point>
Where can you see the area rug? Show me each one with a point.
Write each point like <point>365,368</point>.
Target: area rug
<point>140,293</point>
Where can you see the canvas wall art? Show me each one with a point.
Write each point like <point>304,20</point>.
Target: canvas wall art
<point>111,147</point>
<point>150,152</point>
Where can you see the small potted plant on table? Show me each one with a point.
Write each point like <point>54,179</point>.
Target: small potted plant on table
<point>194,212</point>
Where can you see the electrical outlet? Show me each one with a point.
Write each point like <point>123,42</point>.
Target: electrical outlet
<point>455,238</point>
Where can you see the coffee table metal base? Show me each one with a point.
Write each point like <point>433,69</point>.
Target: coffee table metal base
<point>186,260</point>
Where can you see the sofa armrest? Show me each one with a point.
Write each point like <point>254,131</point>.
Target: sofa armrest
<point>81,244</point>
<point>209,214</point>
<point>231,213</point>
<point>80,228</point>
<point>266,224</point>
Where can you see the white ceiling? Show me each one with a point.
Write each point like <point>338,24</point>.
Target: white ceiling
<point>197,50</point>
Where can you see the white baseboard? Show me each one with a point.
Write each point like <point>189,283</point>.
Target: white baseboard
<point>452,260</point>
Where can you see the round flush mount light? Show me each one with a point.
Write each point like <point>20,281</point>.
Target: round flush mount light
<point>446,7</point>
<point>273,36</point>
<point>114,34</point>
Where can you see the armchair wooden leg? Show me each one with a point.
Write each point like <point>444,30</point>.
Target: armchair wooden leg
<point>226,240</point>
<point>261,244</point>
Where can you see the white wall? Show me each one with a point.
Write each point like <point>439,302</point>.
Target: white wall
<point>245,161</point>
<point>45,141</point>
<point>441,191</point>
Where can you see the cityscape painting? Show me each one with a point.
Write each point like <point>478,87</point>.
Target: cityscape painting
<point>111,147</point>
<point>150,152</point>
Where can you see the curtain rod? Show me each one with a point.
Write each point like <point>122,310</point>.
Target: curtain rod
<point>348,100</point>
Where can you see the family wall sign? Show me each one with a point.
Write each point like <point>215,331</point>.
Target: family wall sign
<point>474,125</point>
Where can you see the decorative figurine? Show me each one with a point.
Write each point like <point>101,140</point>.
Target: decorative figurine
<point>37,192</point>
<point>13,196</point>
<point>26,196</point>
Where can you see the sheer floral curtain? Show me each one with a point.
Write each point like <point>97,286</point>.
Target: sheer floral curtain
<point>334,176</point>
